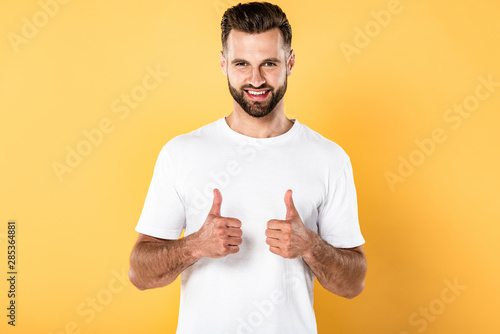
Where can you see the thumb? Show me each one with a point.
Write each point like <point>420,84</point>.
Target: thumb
<point>290,206</point>
<point>216,203</point>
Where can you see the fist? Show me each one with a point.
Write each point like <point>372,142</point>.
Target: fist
<point>289,238</point>
<point>218,236</point>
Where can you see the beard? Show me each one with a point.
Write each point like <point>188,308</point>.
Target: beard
<point>257,108</point>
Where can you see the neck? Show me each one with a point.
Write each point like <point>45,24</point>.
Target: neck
<point>273,124</point>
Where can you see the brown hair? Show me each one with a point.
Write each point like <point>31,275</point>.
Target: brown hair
<point>254,18</point>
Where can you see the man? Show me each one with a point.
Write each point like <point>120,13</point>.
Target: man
<point>267,204</point>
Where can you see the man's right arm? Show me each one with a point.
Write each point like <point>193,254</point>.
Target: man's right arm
<point>156,262</point>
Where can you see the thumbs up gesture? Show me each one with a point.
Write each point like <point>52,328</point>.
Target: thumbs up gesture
<point>289,238</point>
<point>218,236</point>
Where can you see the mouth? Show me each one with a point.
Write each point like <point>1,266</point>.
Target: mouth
<point>257,95</point>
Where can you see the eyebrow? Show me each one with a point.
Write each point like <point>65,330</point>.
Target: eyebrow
<point>239,60</point>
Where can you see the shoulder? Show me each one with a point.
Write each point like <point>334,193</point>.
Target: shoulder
<point>327,149</point>
<point>194,140</point>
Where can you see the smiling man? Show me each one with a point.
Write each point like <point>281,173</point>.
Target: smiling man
<point>290,209</point>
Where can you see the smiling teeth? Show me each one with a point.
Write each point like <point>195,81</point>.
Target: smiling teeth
<point>256,93</point>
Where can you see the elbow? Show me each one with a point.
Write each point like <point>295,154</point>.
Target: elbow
<point>135,281</point>
<point>348,292</point>
<point>143,284</point>
<point>134,273</point>
<point>358,285</point>
<point>355,291</point>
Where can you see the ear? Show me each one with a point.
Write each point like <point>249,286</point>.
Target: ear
<point>223,63</point>
<point>290,62</point>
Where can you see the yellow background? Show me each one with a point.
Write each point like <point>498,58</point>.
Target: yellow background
<point>437,226</point>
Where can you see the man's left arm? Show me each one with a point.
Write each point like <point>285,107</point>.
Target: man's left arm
<point>339,270</point>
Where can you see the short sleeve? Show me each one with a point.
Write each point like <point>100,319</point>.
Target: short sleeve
<point>338,215</point>
<point>163,214</point>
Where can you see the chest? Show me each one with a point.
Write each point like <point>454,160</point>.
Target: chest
<point>252,181</point>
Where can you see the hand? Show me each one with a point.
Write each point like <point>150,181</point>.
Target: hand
<point>218,236</point>
<point>289,238</point>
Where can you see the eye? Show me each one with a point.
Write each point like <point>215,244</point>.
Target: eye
<point>240,64</point>
<point>270,64</point>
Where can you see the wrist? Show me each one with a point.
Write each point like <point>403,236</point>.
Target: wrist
<point>192,246</point>
<point>314,246</point>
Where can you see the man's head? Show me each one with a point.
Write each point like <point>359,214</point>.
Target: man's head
<point>257,55</point>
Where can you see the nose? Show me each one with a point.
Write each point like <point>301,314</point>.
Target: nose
<point>257,79</point>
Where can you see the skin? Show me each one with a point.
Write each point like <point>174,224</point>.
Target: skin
<point>251,61</point>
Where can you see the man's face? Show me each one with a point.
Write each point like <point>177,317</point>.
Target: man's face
<point>257,68</point>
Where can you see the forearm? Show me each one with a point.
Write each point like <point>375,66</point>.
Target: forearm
<point>156,264</point>
<point>341,271</point>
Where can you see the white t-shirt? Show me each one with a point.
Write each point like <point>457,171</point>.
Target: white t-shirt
<point>252,291</point>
